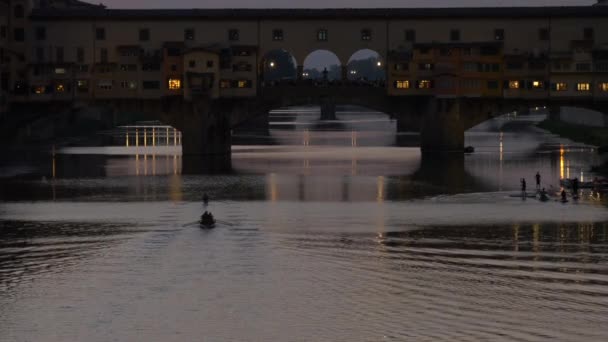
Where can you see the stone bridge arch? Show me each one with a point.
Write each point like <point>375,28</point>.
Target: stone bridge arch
<point>317,60</point>
<point>366,64</point>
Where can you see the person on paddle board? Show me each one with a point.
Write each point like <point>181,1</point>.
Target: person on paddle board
<point>537,180</point>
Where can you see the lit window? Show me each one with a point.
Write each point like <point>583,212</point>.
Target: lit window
<point>561,86</point>
<point>604,86</point>
<point>60,88</point>
<point>537,84</point>
<point>175,84</point>
<point>244,84</point>
<point>402,84</point>
<point>513,84</point>
<point>583,86</point>
<point>39,89</point>
<point>60,71</point>
<point>225,84</point>
<point>424,84</point>
<point>82,86</point>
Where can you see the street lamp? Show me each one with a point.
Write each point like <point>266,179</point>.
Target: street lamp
<point>379,64</point>
<point>272,64</point>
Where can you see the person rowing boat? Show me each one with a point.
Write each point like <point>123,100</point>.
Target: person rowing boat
<point>207,220</point>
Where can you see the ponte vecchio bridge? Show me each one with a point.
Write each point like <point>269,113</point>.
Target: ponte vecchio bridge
<point>446,69</point>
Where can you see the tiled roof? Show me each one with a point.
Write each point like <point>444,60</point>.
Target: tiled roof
<point>342,13</point>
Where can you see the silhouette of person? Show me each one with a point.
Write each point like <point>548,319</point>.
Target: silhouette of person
<point>523,185</point>
<point>537,180</point>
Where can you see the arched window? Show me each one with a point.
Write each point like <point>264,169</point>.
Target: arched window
<point>19,11</point>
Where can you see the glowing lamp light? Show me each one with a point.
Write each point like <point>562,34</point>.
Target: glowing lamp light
<point>379,63</point>
<point>272,64</point>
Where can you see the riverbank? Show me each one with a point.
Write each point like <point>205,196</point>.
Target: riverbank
<point>597,136</point>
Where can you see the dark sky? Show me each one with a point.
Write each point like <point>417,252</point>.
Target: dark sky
<point>331,3</point>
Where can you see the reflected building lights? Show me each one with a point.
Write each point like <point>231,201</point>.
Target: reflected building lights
<point>137,164</point>
<point>136,137</point>
<point>167,137</point>
<point>145,137</point>
<point>380,191</point>
<point>273,188</point>
<point>127,139</point>
<point>561,162</point>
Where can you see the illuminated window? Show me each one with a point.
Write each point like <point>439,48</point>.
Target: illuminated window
<point>604,86</point>
<point>583,86</point>
<point>424,84</point>
<point>513,84</point>
<point>131,85</point>
<point>175,84</point>
<point>39,89</point>
<point>60,88</point>
<point>244,84</point>
<point>82,86</point>
<point>538,84</point>
<point>561,86</point>
<point>402,84</point>
<point>60,71</point>
<point>225,83</point>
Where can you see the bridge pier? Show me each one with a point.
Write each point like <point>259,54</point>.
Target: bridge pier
<point>442,126</point>
<point>206,137</point>
<point>328,109</point>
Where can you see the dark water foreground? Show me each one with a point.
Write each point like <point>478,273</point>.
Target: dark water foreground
<point>325,235</point>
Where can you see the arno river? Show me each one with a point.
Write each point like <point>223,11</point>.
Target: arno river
<point>334,231</point>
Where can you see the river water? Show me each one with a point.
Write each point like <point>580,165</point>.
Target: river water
<point>328,231</point>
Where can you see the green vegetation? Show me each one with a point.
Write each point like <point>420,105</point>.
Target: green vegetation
<point>597,136</point>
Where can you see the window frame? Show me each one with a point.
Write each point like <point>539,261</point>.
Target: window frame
<point>322,35</point>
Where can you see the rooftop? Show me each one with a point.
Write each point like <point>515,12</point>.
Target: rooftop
<point>340,13</point>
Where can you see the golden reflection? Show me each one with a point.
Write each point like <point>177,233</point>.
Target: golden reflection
<point>174,137</point>
<point>561,162</point>
<point>127,139</point>
<point>582,176</point>
<point>137,137</point>
<point>179,137</point>
<point>536,240</point>
<point>306,137</point>
<point>175,188</point>
<point>145,137</point>
<point>175,164</point>
<point>568,169</point>
<point>167,137</point>
<point>145,164</point>
<point>273,188</point>
<point>380,191</point>
<point>500,164</point>
<point>153,137</point>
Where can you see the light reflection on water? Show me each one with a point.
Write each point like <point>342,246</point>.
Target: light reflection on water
<point>336,233</point>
